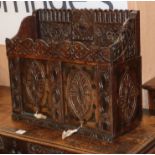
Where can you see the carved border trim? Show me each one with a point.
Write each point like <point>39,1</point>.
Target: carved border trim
<point>65,50</point>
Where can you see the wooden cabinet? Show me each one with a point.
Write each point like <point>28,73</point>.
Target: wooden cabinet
<point>78,68</point>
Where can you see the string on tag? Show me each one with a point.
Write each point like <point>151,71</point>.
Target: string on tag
<point>70,132</point>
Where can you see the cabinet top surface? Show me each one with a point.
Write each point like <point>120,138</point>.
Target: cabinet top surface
<point>136,141</point>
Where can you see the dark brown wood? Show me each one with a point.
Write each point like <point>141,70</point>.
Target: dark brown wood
<point>78,67</point>
<point>42,140</point>
<point>150,86</point>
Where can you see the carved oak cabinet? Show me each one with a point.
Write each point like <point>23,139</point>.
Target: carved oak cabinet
<point>78,67</point>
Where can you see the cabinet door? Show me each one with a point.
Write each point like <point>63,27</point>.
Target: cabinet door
<point>80,94</point>
<point>42,88</point>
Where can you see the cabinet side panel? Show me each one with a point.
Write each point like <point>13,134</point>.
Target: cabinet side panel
<point>127,95</point>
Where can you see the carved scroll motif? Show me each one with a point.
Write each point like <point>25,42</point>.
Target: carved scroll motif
<point>54,50</point>
<point>128,93</point>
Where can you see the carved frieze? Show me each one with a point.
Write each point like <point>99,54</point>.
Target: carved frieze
<point>66,50</point>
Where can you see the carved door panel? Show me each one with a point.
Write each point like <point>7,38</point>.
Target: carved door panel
<point>35,86</point>
<point>80,95</point>
<point>42,88</point>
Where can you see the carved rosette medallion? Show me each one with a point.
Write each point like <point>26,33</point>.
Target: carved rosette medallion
<point>128,94</point>
<point>79,92</point>
<point>35,83</point>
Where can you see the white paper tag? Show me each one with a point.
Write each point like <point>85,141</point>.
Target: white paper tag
<point>69,132</point>
<point>40,116</point>
<point>20,132</point>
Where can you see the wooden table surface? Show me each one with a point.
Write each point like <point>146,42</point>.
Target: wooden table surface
<point>139,140</point>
